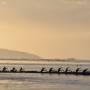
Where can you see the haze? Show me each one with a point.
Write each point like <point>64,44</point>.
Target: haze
<point>48,28</point>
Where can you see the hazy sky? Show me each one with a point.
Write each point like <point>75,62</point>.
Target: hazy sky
<point>49,28</point>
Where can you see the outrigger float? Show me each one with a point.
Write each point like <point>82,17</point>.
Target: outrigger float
<point>67,71</point>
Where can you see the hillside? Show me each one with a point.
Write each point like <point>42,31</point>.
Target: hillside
<point>10,54</point>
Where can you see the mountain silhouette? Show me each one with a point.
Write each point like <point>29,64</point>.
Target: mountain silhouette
<point>11,54</point>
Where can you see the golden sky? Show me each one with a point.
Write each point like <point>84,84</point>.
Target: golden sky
<point>48,28</point>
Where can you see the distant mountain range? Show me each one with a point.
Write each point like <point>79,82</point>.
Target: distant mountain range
<point>6,54</point>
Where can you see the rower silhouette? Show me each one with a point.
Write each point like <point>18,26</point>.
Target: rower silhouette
<point>50,70</point>
<point>42,70</point>
<point>21,69</point>
<point>4,69</point>
<point>13,69</point>
<point>59,70</point>
<point>85,70</point>
<point>77,70</point>
<point>67,69</point>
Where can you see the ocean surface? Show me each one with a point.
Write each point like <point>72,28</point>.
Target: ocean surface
<point>28,81</point>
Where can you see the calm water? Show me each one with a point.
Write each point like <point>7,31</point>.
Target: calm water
<point>44,81</point>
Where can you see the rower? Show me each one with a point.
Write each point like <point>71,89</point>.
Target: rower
<point>21,69</point>
<point>42,70</point>
<point>13,69</point>
<point>77,70</point>
<point>4,69</point>
<point>85,70</point>
<point>50,70</point>
<point>67,69</point>
<point>59,69</point>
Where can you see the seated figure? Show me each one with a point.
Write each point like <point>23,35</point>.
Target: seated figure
<point>21,69</point>
<point>50,70</point>
<point>13,69</point>
<point>4,69</point>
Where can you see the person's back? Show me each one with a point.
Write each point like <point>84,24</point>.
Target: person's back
<point>77,70</point>
<point>85,70</point>
<point>13,70</point>
<point>21,69</point>
<point>42,70</point>
<point>59,69</point>
<point>50,70</point>
<point>4,69</point>
<point>67,69</point>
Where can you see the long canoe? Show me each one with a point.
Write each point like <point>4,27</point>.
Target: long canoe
<point>46,72</point>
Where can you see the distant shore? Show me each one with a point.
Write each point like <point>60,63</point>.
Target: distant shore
<point>49,60</point>
<point>40,61</point>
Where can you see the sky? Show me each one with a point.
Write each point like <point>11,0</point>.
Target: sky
<point>48,28</point>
